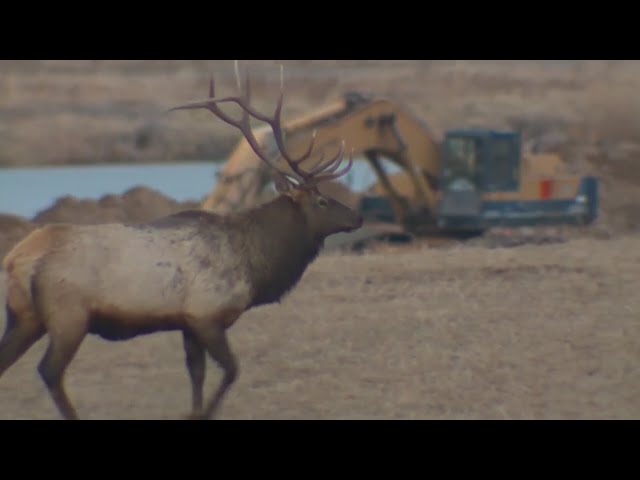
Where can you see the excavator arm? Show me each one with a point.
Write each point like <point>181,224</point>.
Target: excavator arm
<point>371,128</point>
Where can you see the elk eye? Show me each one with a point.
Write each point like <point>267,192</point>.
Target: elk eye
<point>322,202</point>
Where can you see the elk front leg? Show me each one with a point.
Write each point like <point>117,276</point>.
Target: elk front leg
<point>195,358</point>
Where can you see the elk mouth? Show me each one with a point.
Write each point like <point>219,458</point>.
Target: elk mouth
<point>356,225</point>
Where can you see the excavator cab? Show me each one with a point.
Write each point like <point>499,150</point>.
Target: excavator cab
<point>484,184</point>
<point>487,159</point>
<point>476,161</point>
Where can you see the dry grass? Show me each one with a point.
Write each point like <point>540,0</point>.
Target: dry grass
<point>535,332</point>
<point>111,110</point>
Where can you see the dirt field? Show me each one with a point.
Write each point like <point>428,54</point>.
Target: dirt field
<point>534,332</point>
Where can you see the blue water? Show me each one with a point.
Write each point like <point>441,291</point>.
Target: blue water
<point>26,191</point>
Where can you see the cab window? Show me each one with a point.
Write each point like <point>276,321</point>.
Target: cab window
<point>502,172</point>
<point>461,158</point>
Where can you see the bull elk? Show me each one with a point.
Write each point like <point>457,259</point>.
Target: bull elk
<point>195,271</point>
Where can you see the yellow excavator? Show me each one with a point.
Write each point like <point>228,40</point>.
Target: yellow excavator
<point>461,184</point>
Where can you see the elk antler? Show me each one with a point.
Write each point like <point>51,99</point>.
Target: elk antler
<point>308,178</point>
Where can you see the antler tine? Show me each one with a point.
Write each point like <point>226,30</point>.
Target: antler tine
<point>243,125</point>
<point>276,126</point>
<point>275,122</point>
<point>339,173</point>
<point>331,164</point>
<point>210,105</point>
<point>237,72</point>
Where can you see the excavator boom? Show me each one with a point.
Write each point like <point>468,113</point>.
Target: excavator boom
<point>370,127</point>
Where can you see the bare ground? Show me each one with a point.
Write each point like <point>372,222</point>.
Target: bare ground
<point>534,332</point>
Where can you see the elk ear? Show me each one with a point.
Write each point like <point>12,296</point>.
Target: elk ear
<point>281,183</point>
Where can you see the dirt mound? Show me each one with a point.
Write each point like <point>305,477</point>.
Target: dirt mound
<point>139,204</point>
<point>616,165</point>
<point>12,230</point>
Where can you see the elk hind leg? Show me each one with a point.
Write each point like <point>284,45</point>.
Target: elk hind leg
<point>21,332</point>
<point>65,336</point>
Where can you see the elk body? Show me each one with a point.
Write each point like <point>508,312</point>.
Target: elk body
<point>194,272</point>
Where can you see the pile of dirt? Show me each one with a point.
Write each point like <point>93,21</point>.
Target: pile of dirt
<point>136,205</point>
<point>139,204</point>
<point>616,166</point>
<point>12,230</point>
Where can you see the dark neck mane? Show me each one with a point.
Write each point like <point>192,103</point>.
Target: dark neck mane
<point>278,247</point>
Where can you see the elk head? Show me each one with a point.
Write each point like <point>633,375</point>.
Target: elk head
<point>325,216</point>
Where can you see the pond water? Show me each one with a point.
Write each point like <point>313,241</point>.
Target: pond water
<point>26,191</point>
